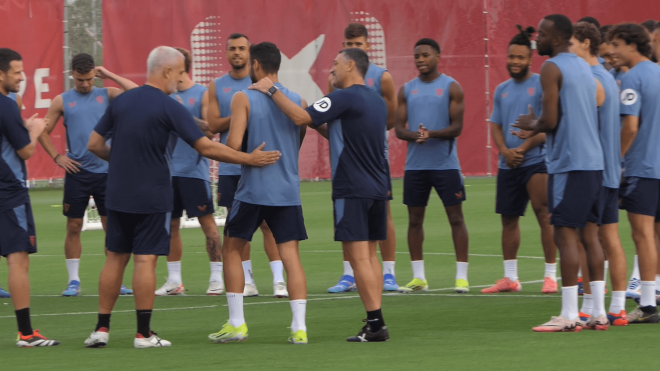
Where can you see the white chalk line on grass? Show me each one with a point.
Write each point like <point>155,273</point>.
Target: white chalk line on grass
<point>322,251</point>
<point>286,301</point>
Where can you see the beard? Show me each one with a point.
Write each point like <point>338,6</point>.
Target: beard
<point>523,72</point>
<point>238,66</point>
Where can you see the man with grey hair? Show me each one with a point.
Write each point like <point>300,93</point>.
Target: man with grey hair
<point>139,196</point>
<point>356,118</point>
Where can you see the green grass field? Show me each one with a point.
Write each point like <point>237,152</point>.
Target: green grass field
<point>436,330</point>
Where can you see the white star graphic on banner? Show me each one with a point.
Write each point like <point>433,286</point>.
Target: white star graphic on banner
<point>294,72</point>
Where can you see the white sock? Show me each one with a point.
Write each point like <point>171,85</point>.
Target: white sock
<point>216,272</point>
<point>461,270</point>
<point>235,304</point>
<point>388,268</point>
<point>72,266</point>
<point>278,271</point>
<point>607,266</point>
<point>247,271</point>
<point>511,269</point>
<point>587,304</point>
<point>174,272</point>
<point>569,302</point>
<point>648,294</point>
<point>598,293</point>
<point>635,273</point>
<point>618,301</point>
<point>299,309</point>
<point>579,272</point>
<point>551,271</point>
<point>657,282</point>
<point>418,269</point>
<point>348,270</point>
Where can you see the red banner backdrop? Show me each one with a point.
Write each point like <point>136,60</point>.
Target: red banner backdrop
<point>35,30</point>
<point>503,15</point>
<point>309,34</point>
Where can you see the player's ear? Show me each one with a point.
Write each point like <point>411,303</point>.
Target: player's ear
<point>368,45</point>
<point>343,44</point>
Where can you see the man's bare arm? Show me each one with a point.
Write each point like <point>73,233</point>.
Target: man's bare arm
<point>124,83</point>
<point>389,95</point>
<point>98,146</point>
<point>240,108</point>
<point>401,118</point>
<point>629,130</point>
<point>55,112</point>
<point>216,123</point>
<point>551,80</point>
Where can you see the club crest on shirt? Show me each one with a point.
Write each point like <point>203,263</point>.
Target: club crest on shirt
<point>370,82</point>
<point>99,99</point>
<point>72,104</point>
<point>531,91</point>
<point>191,101</point>
<point>439,92</point>
<point>226,90</point>
<point>504,94</point>
<point>415,91</point>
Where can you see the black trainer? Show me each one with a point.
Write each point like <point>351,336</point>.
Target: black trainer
<point>647,314</point>
<point>367,336</point>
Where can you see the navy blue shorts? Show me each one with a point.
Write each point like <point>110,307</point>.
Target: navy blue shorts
<point>609,206</point>
<point>641,196</point>
<point>17,232</point>
<point>286,222</point>
<point>417,186</point>
<point>227,185</point>
<point>390,196</point>
<point>360,219</point>
<point>512,196</point>
<point>140,234</point>
<point>574,198</point>
<point>77,190</point>
<point>193,195</point>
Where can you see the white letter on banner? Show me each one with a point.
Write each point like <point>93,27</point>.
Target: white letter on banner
<point>41,87</point>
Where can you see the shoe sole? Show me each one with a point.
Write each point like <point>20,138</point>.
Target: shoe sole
<point>228,341</point>
<point>497,292</point>
<point>250,296</point>
<point>650,320</point>
<point>576,329</point>
<point>280,296</point>
<point>425,289</point>
<point>214,294</point>
<point>96,345</point>
<point>461,290</point>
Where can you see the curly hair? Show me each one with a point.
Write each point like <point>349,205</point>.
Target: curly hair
<point>604,33</point>
<point>523,37</point>
<point>632,33</point>
<point>583,31</point>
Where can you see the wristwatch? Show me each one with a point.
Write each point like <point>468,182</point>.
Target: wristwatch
<point>272,90</point>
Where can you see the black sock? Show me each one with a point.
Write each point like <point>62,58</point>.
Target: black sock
<point>143,321</point>
<point>23,319</point>
<point>104,321</point>
<point>375,320</point>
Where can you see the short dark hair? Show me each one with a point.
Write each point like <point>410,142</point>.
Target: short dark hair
<point>562,24</point>
<point>6,57</point>
<point>604,33</point>
<point>82,63</point>
<point>632,33</point>
<point>656,26</point>
<point>648,24</point>
<point>354,30</point>
<point>430,42</point>
<point>523,37</point>
<point>583,31</point>
<point>187,59</point>
<point>268,56</point>
<point>591,20</point>
<point>360,58</point>
<point>237,35</point>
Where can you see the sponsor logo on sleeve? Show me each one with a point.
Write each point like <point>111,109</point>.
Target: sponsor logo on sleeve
<point>323,105</point>
<point>629,97</point>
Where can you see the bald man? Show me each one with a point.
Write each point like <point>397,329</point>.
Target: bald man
<point>139,195</point>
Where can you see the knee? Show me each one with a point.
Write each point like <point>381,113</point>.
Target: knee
<point>73,227</point>
<point>540,210</point>
<point>509,222</point>
<point>456,221</point>
<point>415,222</point>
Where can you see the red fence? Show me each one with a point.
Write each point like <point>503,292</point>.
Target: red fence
<point>309,33</point>
<point>35,30</point>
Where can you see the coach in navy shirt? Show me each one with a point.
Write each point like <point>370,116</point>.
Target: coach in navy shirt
<point>144,124</point>
<point>356,118</point>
